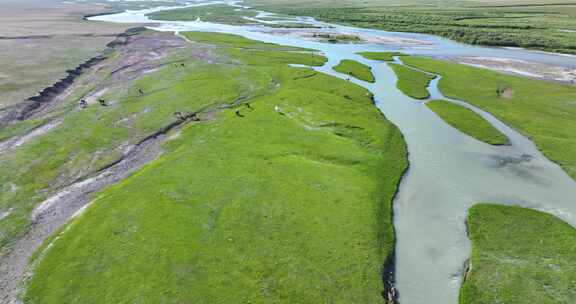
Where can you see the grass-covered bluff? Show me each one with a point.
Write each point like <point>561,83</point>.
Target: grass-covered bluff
<point>519,256</point>
<point>467,121</point>
<point>355,69</point>
<point>284,198</point>
<point>541,110</point>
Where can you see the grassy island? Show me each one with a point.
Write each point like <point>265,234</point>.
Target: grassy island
<point>355,69</point>
<point>412,82</point>
<point>381,56</point>
<point>467,121</point>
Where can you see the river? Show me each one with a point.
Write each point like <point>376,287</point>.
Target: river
<point>449,171</point>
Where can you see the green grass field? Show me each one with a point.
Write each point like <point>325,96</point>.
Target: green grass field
<point>519,256</point>
<point>539,24</point>
<point>284,198</point>
<point>92,138</point>
<point>543,111</point>
<point>355,69</point>
<point>230,41</point>
<point>381,56</point>
<point>220,13</point>
<point>467,121</point>
<point>226,14</point>
<point>411,82</point>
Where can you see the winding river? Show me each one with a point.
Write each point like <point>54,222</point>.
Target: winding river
<point>449,171</point>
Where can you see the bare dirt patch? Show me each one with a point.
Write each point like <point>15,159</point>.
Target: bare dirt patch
<point>41,39</point>
<point>507,93</point>
<point>134,56</point>
<point>522,68</point>
<point>59,208</point>
<point>325,35</point>
<point>17,141</point>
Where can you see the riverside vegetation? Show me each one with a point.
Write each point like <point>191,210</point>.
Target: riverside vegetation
<point>519,256</point>
<point>467,121</point>
<point>313,223</point>
<point>226,14</point>
<point>541,110</point>
<point>539,24</point>
<point>220,13</point>
<point>355,69</point>
<point>381,56</point>
<point>412,82</point>
<point>201,224</point>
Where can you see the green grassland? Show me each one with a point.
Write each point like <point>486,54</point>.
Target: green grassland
<point>220,13</point>
<point>543,111</point>
<point>467,121</point>
<point>355,69</point>
<point>90,139</point>
<point>519,256</point>
<point>226,14</point>
<point>237,42</point>
<point>381,56</point>
<point>412,82</point>
<point>539,24</point>
<point>283,198</point>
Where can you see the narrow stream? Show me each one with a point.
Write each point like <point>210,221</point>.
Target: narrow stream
<point>449,171</point>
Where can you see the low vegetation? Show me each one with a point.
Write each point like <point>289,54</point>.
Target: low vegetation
<point>543,111</point>
<point>412,82</point>
<point>381,56</point>
<point>467,121</point>
<point>230,41</point>
<point>539,24</point>
<point>218,13</point>
<point>89,139</point>
<point>337,38</point>
<point>355,69</point>
<point>281,196</point>
<point>231,15</point>
<point>519,256</point>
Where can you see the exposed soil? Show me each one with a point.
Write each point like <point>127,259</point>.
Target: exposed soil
<point>467,269</point>
<point>521,68</point>
<point>323,35</point>
<point>52,93</point>
<point>17,141</point>
<point>135,54</point>
<point>41,39</point>
<point>507,93</point>
<point>60,207</point>
<point>139,54</point>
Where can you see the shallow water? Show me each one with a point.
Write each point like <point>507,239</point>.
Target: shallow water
<point>449,171</point>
